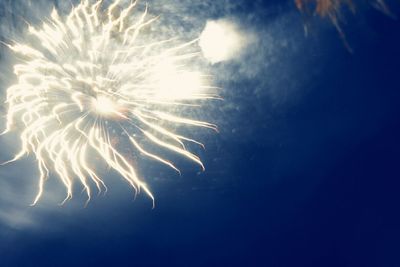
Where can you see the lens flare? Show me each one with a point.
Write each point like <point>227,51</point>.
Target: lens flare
<point>92,77</point>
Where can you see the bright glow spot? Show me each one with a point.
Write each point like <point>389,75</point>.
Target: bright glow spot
<point>221,40</point>
<point>104,105</point>
<point>179,85</point>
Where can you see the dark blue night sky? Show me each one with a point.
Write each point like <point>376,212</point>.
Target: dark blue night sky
<point>305,170</point>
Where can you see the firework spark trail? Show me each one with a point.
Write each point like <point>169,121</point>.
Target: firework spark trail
<point>87,70</point>
<point>332,9</point>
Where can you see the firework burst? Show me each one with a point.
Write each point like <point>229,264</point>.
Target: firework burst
<point>88,79</point>
<point>332,9</point>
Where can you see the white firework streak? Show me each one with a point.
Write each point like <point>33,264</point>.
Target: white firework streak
<point>82,72</point>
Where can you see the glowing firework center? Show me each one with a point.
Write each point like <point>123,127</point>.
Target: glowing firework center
<point>79,71</point>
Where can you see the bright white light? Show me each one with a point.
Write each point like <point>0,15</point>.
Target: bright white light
<point>104,105</point>
<point>221,40</point>
<point>176,83</point>
<point>180,85</point>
